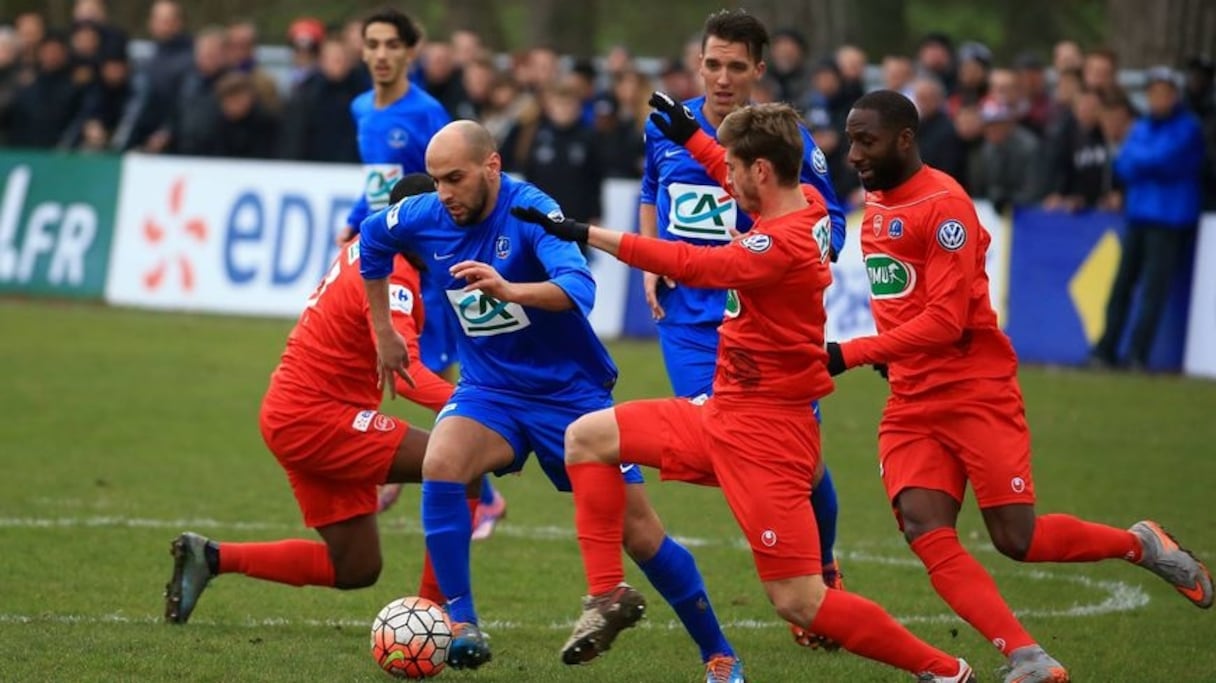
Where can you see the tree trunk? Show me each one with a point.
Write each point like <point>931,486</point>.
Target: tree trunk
<point>828,24</point>
<point>479,16</point>
<point>566,26</point>
<point>1160,32</point>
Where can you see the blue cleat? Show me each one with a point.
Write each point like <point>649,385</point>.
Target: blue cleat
<point>724,669</point>
<point>191,574</point>
<point>470,647</point>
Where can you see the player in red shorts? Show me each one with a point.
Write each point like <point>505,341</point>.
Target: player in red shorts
<point>319,418</point>
<point>756,437</point>
<point>955,415</point>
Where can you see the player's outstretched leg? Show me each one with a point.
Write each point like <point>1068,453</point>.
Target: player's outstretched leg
<point>191,573</point>
<point>823,501</point>
<point>1032,664</point>
<point>1164,556</point>
<point>604,616</point>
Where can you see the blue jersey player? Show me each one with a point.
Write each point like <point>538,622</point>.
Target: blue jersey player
<point>681,202</point>
<point>530,365</point>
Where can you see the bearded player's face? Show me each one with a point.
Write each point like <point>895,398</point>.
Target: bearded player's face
<point>874,150</point>
<point>463,184</point>
<point>729,72</point>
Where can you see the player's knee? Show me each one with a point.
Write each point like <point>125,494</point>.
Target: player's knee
<point>914,528</point>
<point>586,440</point>
<point>357,574</point>
<point>1012,543</point>
<point>799,606</point>
<point>643,534</point>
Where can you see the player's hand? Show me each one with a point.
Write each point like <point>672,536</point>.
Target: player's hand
<point>650,285</point>
<point>674,120</point>
<point>484,277</point>
<point>394,361</point>
<point>881,369</point>
<point>344,235</point>
<point>555,224</point>
<point>835,359</point>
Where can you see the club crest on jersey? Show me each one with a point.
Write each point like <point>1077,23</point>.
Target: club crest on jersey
<point>877,225</point>
<point>397,138</point>
<point>819,162</point>
<point>951,235</point>
<point>502,246</point>
<point>757,243</point>
<point>895,229</point>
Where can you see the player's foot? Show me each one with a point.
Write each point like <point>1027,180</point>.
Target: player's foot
<point>1161,554</point>
<point>604,616</point>
<point>724,669</point>
<point>964,675</point>
<point>387,494</point>
<point>191,573</point>
<point>486,516</point>
<point>470,648</point>
<point>833,578</point>
<point>1032,664</point>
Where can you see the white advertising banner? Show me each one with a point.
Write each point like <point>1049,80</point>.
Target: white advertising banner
<point>1200,358</point>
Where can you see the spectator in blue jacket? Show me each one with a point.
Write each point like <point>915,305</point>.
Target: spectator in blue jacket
<point>1161,167</point>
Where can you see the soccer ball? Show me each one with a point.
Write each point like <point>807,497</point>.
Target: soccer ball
<point>410,638</point>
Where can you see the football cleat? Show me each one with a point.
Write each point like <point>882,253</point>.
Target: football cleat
<point>487,515</point>
<point>470,648</point>
<point>1162,555</point>
<point>964,675</point>
<point>1032,664</point>
<point>834,579</point>
<point>724,669</point>
<point>604,616</point>
<point>191,573</point>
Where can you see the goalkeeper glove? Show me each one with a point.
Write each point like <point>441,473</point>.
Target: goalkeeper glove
<point>835,359</point>
<point>678,125</point>
<point>560,227</point>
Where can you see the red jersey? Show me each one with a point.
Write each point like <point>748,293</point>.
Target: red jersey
<point>924,250</point>
<point>770,347</point>
<point>331,352</point>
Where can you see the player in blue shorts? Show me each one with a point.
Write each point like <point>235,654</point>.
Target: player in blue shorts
<point>681,202</point>
<point>395,122</point>
<point>530,365</point>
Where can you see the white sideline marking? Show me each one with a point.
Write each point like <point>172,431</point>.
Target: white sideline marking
<point>1120,596</point>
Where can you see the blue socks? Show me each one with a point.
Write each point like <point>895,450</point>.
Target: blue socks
<point>823,500</point>
<point>448,527</point>
<point>674,574</point>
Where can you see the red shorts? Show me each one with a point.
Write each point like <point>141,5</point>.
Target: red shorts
<point>763,460</point>
<point>975,433</point>
<point>335,454</point>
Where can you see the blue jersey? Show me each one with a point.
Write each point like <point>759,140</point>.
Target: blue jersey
<point>502,346</point>
<point>690,206</point>
<point>392,143</point>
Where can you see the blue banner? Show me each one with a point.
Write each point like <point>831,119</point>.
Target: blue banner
<point>1061,268</point>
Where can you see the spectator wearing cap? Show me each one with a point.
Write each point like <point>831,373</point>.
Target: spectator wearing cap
<point>1007,173</point>
<point>940,146</point>
<point>316,124</point>
<point>43,110</point>
<point>1032,79</point>
<point>1161,167</point>
<point>787,64</point>
<point>935,57</point>
<point>974,63</point>
<point>160,77</point>
<point>304,37</point>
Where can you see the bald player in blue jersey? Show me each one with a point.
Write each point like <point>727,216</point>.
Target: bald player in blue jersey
<point>530,365</point>
<point>681,202</point>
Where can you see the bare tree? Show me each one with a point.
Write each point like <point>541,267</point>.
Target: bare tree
<point>1161,31</point>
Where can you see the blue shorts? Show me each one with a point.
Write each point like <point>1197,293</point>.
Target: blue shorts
<point>690,353</point>
<point>530,426</point>
<point>437,343</point>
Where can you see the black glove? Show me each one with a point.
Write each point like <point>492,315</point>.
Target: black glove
<point>881,369</point>
<point>679,124</point>
<point>566,229</point>
<point>835,359</point>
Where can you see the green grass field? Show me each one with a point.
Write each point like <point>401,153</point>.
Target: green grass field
<point>123,428</point>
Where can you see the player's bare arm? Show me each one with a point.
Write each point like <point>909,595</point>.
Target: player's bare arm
<point>543,295</point>
<point>648,226</point>
<point>390,345</point>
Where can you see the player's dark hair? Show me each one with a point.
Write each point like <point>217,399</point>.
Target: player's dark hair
<point>407,28</point>
<point>737,26</point>
<point>895,111</point>
<point>408,186</point>
<point>766,131</point>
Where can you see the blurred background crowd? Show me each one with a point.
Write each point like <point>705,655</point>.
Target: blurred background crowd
<point>1037,128</point>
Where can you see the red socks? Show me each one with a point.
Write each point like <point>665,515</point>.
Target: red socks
<point>864,628</point>
<point>1064,538</point>
<point>599,516</point>
<point>969,590</point>
<point>428,586</point>
<point>293,562</point>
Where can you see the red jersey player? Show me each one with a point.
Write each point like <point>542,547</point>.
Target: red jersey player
<point>955,415</point>
<point>319,417</point>
<point>756,437</point>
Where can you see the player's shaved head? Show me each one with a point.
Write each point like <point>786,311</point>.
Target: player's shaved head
<point>468,137</point>
<point>464,162</point>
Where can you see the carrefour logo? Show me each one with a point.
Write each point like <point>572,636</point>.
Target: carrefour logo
<point>890,278</point>
<point>482,315</point>
<point>701,211</point>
